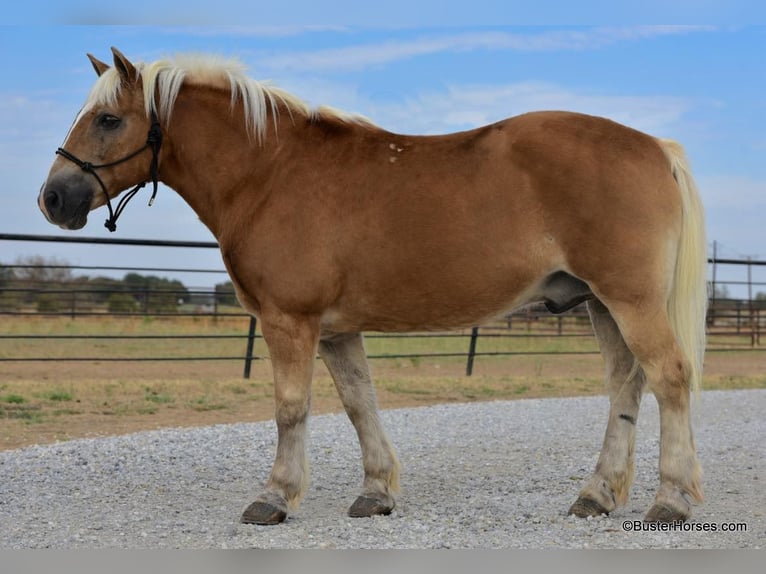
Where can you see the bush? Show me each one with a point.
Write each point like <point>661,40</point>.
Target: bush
<point>121,303</point>
<point>10,301</point>
<point>49,303</point>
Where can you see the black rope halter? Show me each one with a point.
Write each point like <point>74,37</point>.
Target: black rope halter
<point>153,142</point>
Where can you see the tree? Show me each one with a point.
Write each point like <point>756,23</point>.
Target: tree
<point>6,275</point>
<point>36,269</point>
<point>9,300</point>
<point>102,288</point>
<point>224,294</point>
<point>121,303</point>
<point>35,275</point>
<point>156,294</point>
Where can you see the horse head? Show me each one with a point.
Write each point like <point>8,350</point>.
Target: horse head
<point>106,150</point>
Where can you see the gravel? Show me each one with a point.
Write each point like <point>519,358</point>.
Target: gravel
<point>481,475</point>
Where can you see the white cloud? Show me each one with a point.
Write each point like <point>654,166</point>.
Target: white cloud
<point>464,107</point>
<point>362,56</point>
<point>263,31</point>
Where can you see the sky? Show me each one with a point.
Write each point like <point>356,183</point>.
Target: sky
<point>701,84</point>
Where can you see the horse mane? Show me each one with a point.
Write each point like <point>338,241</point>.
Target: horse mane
<point>164,78</point>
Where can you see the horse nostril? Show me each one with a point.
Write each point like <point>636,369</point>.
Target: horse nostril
<point>53,200</point>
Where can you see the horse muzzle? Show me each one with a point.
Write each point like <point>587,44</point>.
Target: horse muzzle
<point>66,204</point>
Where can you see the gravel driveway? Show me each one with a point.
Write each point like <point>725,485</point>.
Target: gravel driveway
<point>482,475</point>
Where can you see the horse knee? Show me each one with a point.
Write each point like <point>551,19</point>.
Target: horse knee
<point>292,411</point>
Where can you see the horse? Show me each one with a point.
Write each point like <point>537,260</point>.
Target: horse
<point>331,226</point>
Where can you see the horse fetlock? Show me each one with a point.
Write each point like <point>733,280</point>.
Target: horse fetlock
<point>289,479</point>
<point>621,484</point>
<point>682,474</point>
<point>373,486</point>
<point>383,476</point>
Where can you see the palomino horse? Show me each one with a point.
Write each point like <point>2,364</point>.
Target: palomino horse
<point>330,226</point>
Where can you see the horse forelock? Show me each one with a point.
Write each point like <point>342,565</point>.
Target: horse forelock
<point>162,80</point>
<point>104,92</point>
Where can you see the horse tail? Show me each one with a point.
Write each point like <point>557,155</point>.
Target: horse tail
<point>687,303</point>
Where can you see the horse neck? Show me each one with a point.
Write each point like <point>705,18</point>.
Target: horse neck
<point>209,156</point>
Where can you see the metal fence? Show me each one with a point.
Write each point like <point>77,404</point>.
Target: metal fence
<point>734,324</point>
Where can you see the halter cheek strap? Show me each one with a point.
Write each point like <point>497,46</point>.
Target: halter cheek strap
<point>153,142</point>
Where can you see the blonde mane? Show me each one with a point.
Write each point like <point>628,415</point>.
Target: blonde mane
<point>166,77</point>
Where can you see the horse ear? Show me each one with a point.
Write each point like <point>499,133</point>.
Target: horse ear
<point>124,67</point>
<point>98,65</point>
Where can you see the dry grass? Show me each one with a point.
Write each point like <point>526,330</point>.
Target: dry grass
<point>44,411</point>
<point>43,402</point>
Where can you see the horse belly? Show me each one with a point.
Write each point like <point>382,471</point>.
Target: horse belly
<point>444,269</point>
<point>433,306</point>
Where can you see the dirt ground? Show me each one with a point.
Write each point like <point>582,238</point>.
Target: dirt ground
<point>401,383</point>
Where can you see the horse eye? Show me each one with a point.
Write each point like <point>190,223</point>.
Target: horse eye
<point>108,121</point>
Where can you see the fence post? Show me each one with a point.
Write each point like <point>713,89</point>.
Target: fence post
<point>750,303</point>
<point>739,316</point>
<point>471,351</point>
<point>249,352</point>
<point>711,315</point>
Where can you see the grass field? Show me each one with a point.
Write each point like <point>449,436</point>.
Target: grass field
<point>145,337</point>
<point>45,401</point>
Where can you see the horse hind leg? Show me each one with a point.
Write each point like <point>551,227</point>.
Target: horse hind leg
<point>346,360</point>
<point>610,483</point>
<point>648,334</point>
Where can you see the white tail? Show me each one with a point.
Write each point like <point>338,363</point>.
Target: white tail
<point>687,306</point>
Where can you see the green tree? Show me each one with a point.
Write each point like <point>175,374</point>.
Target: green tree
<point>121,303</point>
<point>156,294</point>
<point>9,300</point>
<point>224,294</point>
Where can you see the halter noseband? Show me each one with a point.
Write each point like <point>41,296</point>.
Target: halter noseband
<point>153,142</point>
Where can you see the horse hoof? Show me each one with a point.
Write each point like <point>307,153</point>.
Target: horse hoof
<point>584,507</point>
<point>264,513</point>
<point>366,506</point>
<point>663,513</point>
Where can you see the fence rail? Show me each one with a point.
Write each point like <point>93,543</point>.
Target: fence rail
<point>733,324</point>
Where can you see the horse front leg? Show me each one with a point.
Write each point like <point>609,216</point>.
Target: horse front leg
<point>292,343</point>
<point>346,360</point>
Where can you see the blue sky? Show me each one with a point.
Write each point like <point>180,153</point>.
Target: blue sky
<point>704,85</point>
